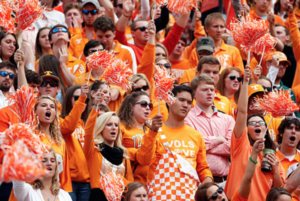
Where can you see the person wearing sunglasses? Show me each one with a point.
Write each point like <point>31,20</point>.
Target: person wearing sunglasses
<point>247,131</point>
<point>134,114</point>
<point>162,62</point>
<point>7,74</point>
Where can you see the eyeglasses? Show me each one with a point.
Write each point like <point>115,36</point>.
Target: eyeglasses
<point>93,51</point>
<point>254,123</point>
<point>291,118</point>
<point>142,29</point>
<point>77,97</point>
<point>269,89</point>
<point>144,104</point>
<point>59,29</point>
<point>93,12</point>
<point>51,83</point>
<point>233,77</point>
<point>144,88</point>
<point>205,52</point>
<point>215,195</point>
<point>4,74</point>
<point>120,6</point>
<point>166,65</point>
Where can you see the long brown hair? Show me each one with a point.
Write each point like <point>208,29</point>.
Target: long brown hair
<point>221,83</point>
<point>38,47</point>
<point>200,194</point>
<point>275,192</point>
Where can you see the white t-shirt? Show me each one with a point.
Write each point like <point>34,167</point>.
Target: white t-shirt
<point>50,18</point>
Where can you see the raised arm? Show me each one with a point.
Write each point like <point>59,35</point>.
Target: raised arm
<point>109,8</point>
<point>162,21</point>
<point>241,118</point>
<point>128,7</point>
<point>19,58</point>
<point>89,133</point>
<point>145,8</point>
<point>293,181</point>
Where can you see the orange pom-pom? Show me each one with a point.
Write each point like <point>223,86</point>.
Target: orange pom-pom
<point>22,132</point>
<point>20,165</point>
<point>247,31</point>
<point>22,103</point>
<point>100,60</point>
<point>118,73</point>
<point>113,186</point>
<point>6,21</point>
<point>278,103</point>
<point>266,41</point>
<point>163,85</point>
<point>28,12</point>
<point>181,6</point>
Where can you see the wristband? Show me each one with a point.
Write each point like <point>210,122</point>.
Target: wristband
<point>255,162</point>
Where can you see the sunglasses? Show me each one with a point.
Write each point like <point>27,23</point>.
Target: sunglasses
<point>215,195</point>
<point>59,29</point>
<point>77,97</point>
<point>144,104</point>
<point>166,65</point>
<point>254,123</point>
<point>51,83</point>
<point>4,74</point>
<point>205,52</point>
<point>93,51</point>
<point>291,118</point>
<point>233,77</point>
<point>93,12</point>
<point>120,6</point>
<point>144,88</point>
<point>269,89</point>
<point>142,29</point>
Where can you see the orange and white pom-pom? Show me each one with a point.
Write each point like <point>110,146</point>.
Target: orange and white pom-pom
<point>247,31</point>
<point>22,132</point>
<point>27,13</point>
<point>264,44</point>
<point>113,186</point>
<point>20,165</point>
<point>6,21</point>
<point>278,103</point>
<point>118,73</point>
<point>164,85</point>
<point>181,6</point>
<point>22,103</point>
<point>100,60</point>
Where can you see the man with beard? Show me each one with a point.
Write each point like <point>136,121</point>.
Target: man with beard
<point>7,74</point>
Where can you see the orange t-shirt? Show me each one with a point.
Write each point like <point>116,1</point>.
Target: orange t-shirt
<point>285,162</point>
<point>262,182</point>
<point>178,67</point>
<point>234,106</point>
<point>237,197</point>
<point>273,128</point>
<point>188,75</point>
<point>297,15</point>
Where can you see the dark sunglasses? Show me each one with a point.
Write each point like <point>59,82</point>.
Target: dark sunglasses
<point>269,89</point>
<point>51,83</point>
<point>144,104</point>
<point>233,77</point>
<point>142,29</point>
<point>166,65</point>
<point>77,97</point>
<point>215,195</point>
<point>93,12</point>
<point>144,88</point>
<point>120,6</point>
<point>291,118</point>
<point>93,51</point>
<point>4,74</point>
<point>59,29</point>
<point>254,123</point>
<point>205,52</point>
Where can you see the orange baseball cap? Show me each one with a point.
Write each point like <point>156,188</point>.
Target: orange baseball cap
<point>255,88</point>
<point>282,57</point>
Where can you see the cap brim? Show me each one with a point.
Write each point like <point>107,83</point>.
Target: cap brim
<point>206,47</point>
<point>289,63</point>
<point>253,93</point>
<point>51,76</point>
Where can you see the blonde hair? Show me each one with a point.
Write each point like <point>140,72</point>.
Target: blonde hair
<point>55,181</point>
<point>164,48</point>
<point>100,125</point>
<point>136,77</point>
<point>211,16</point>
<point>201,78</point>
<point>54,126</point>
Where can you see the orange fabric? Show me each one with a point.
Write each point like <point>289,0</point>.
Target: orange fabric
<point>237,197</point>
<point>78,43</point>
<point>296,91</point>
<point>75,31</point>
<point>94,157</point>
<point>128,35</point>
<point>285,162</point>
<point>294,197</point>
<point>297,15</point>
<point>78,165</point>
<point>262,182</point>
<point>178,67</point>
<point>273,128</point>
<point>234,107</point>
<point>188,75</point>
<point>228,56</point>
<point>163,110</point>
<point>59,8</point>
<point>141,148</point>
<point>123,54</point>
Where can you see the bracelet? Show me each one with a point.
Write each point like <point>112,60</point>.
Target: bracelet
<point>126,16</point>
<point>255,162</point>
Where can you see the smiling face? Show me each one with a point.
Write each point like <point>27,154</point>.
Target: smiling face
<point>49,162</point>
<point>141,114</point>
<point>8,47</point>
<point>214,189</point>
<point>256,131</point>
<point>111,130</point>
<point>45,111</point>
<point>291,136</point>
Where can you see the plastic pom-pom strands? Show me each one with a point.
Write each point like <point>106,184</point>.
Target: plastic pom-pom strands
<point>178,6</point>
<point>100,60</point>
<point>6,21</point>
<point>264,44</point>
<point>112,185</point>
<point>20,165</point>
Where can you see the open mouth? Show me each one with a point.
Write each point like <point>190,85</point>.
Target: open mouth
<point>147,113</point>
<point>49,168</point>
<point>113,133</point>
<point>292,139</point>
<point>48,114</point>
<point>258,130</point>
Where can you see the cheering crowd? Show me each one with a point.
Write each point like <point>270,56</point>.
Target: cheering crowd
<point>209,141</point>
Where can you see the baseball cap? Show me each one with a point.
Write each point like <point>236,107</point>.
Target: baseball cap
<point>255,88</point>
<point>282,57</point>
<point>95,2</point>
<point>205,43</point>
<point>50,74</point>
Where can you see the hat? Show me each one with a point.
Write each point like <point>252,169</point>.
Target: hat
<point>95,2</point>
<point>205,43</point>
<point>255,88</point>
<point>50,74</point>
<point>282,57</point>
